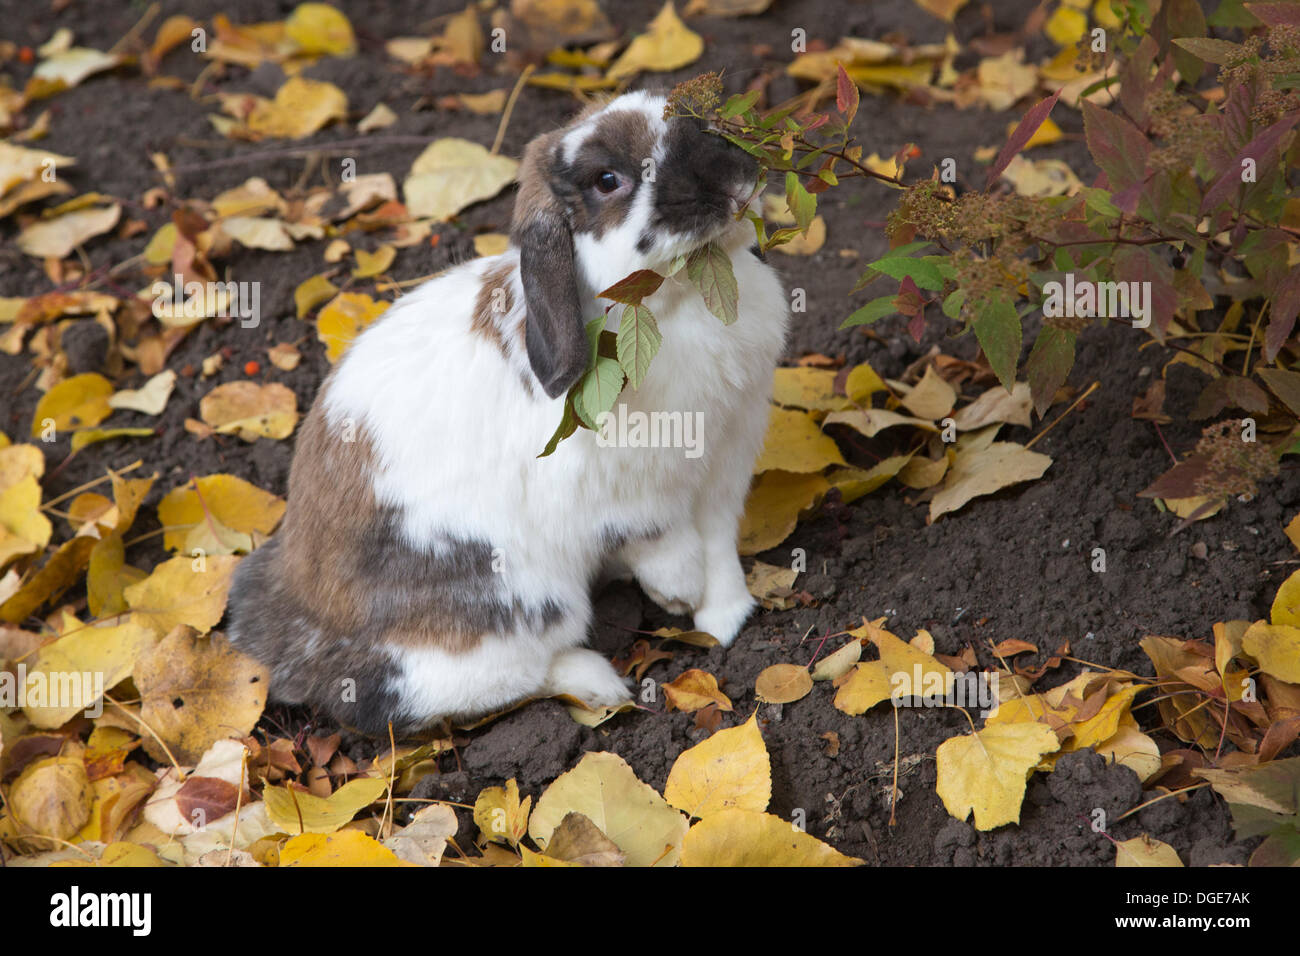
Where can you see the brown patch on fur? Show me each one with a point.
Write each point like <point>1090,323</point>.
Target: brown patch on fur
<point>484,322</point>
<point>332,511</point>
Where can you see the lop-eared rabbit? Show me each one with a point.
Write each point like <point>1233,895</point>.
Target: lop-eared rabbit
<point>430,564</point>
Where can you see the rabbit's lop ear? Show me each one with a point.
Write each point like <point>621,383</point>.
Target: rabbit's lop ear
<point>553,332</point>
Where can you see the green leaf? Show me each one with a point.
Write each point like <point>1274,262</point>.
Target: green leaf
<point>953,303</point>
<point>871,312</point>
<point>997,326</point>
<point>925,271</point>
<point>802,203</point>
<point>1048,365</point>
<point>598,390</point>
<point>638,342</point>
<point>738,104</point>
<point>709,270</point>
<point>568,425</point>
<point>1210,50</point>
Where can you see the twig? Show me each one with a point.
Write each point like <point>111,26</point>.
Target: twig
<point>510,107</point>
<point>294,152</point>
<point>1091,388</point>
<point>136,30</point>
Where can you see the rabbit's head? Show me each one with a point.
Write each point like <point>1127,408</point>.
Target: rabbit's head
<point>617,190</point>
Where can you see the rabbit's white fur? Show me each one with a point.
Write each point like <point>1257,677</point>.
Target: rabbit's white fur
<point>455,434</point>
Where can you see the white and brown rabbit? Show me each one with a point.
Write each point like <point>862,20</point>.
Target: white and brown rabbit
<point>430,564</point>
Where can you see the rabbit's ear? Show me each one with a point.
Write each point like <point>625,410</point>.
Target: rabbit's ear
<point>553,331</point>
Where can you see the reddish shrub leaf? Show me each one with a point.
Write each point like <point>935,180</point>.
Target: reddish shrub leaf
<point>1028,126</point>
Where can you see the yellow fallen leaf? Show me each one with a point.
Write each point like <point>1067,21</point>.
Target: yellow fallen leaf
<point>320,28</point>
<point>1041,177</point>
<point>1066,26</point>
<point>23,529</point>
<point>1286,603</point>
<point>1145,851</point>
<point>694,689</point>
<point>58,574</point>
<point>52,797</point>
<point>853,483</point>
<point>923,473</point>
<point>312,293</point>
<point>77,402</point>
<point>1005,79</point>
<point>284,356</point>
<point>872,421</point>
<point>943,9</point>
<point>91,436</point>
<point>251,410</point>
<point>986,771</point>
<point>300,108</point>
<point>491,243</point>
<point>233,502</point>
<point>500,815</point>
<point>896,673</point>
<point>150,398</point>
<point>783,684</point>
<point>344,848</point>
<point>729,769</point>
<point>862,383</point>
<point>836,665</point>
<point>59,236</point>
<point>484,104</point>
<point>18,164</point>
<point>195,691</point>
<point>381,117</point>
<point>738,837</point>
<point>300,811</point>
<point>795,443</point>
<point>258,232</point>
<point>983,472</point>
<point>604,788</point>
<point>177,592</point>
<point>107,653</point>
<point>373,263</point>
<point>65,69</point>
<point>1276,647</point>
<point>774,505</point>
<point>668,44</point>
<point>996,405</point>
<point>1133,749</point>
<point>454,173</point>
<point>342,320</point>
<point>812,389</point>
<point>932,397</point>
<point>108,575</point>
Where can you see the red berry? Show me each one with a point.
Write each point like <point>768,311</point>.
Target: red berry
<point>252,368</point>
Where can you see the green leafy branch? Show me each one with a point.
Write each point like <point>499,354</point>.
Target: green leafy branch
<point>616,360</point>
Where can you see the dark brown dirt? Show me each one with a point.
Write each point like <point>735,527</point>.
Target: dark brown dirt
<point>1012,565</point>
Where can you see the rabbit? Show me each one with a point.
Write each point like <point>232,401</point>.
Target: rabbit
<point>430,565</point>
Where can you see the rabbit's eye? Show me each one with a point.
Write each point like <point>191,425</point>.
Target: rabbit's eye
<point>607,182</point>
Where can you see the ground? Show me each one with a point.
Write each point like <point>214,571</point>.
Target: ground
<point>1016,564</point>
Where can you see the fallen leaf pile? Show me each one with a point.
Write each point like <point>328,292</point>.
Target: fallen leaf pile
<point>954,454</point>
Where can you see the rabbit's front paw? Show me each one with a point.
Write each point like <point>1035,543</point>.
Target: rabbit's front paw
<point>586,675</point>
<point>725,620</point>
<point>670,569</point>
